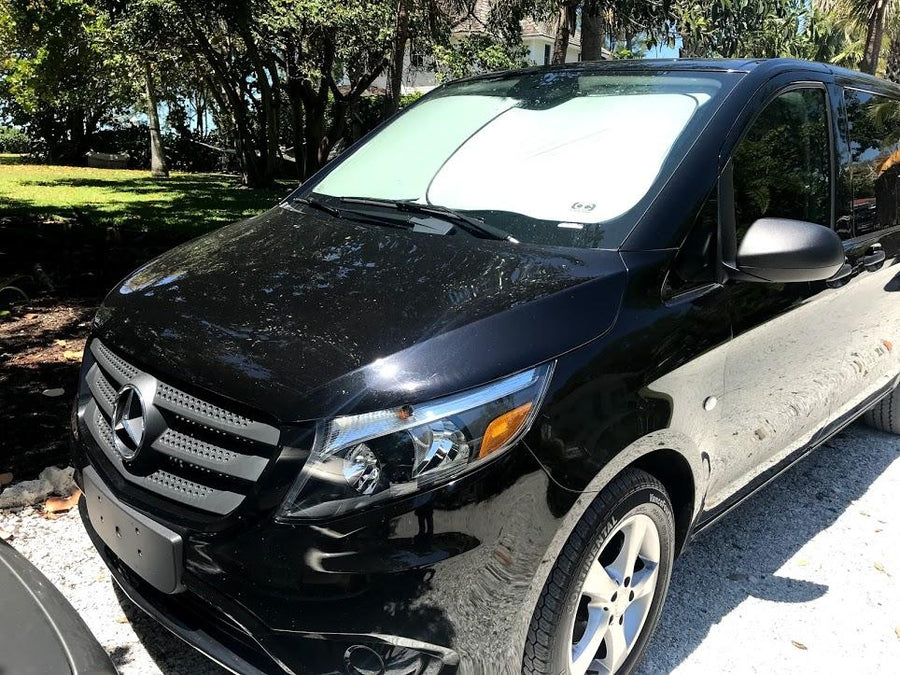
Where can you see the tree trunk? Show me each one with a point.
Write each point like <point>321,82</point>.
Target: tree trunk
<point>296,105</point>
<point>158,167</point>
<point>874,35</point>
<point>77,146</point>
<point>314,144</point>
<point>892,71</point>
<point>396,59</point>
<point>593,30</point>
<point>563,32</point>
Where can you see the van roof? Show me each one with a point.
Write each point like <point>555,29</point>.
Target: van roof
<point>759,66</point>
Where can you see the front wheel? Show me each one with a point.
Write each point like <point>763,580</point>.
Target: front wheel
<point>603,597</point>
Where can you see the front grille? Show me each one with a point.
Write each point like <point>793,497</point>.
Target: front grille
<point>206,457</point>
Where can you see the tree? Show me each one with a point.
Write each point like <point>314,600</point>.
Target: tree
<point>726,29</point>
<point>137,34</point>
<point>876,13</point>
<point>566,17</point>
<point>58,78</point>
<point>892,68</point>
<point>158,166</point>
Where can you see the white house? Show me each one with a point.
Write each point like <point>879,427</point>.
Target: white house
<point>537,36</point>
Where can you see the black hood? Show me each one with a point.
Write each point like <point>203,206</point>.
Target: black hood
<point>302,315</point>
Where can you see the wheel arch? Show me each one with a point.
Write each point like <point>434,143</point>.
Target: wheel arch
<point>669,456</point>
<point>671,469</point>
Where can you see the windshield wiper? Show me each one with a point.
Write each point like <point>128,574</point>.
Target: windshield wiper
<point>467,223</point>
<point>319,205</point>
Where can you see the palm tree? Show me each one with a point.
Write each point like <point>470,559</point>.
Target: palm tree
<point>856,32</point>
<point>876,13</point>
<point>892,68</point>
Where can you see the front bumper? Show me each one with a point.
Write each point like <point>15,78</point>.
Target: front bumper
<point>441,582</point>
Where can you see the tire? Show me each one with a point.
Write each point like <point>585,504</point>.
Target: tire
<point>885,415</point>
<point>632,502</point>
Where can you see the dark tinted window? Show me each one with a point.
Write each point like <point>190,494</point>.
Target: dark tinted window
<point>695,264</point>
<point>874,126</point>
<point>782,167</point>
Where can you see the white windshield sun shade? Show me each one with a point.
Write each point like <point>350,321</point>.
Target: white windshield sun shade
<point>400,162</point>
<point>587,160</point>
<point>549,158</point>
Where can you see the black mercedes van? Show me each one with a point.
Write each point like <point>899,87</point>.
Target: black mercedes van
<point>458,403</point>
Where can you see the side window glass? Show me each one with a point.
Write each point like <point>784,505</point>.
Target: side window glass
<point>695,264</point>
<point>874,124</point>
<point>782,167</point>
<point>843,215</point>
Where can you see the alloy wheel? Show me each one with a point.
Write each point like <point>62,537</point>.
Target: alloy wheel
<point>615,597</point>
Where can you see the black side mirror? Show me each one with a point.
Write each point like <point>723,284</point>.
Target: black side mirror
<point>782,250</point>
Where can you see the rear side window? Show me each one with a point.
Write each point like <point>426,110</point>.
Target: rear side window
<point>782,167</point>
<point>874,126</point>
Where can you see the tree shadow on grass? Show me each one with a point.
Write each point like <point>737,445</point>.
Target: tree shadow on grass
<point>85,248</point>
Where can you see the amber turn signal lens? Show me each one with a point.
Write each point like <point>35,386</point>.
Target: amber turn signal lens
<point>502,428</point>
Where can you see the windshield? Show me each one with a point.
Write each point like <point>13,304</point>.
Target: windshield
<point>550,157</point>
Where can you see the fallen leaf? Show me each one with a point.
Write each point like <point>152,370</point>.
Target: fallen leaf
<point>5,535</point>
<point>5,478</point>
<point>31,315</point>
<point>122,619</point>
<point>61,504</point>
<point>803,563</point>
<point>71,355</point>
<point>61,343</point>
<point>100,577</point>
<point>798,645</point>
<point>878,566</point>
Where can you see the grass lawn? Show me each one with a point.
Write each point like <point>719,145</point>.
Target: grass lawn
<point>185,204</point>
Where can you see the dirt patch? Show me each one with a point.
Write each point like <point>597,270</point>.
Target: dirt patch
<point>62,268</point>
<point>40,356</point>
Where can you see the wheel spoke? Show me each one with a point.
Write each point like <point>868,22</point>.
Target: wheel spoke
<point>585,650</point>
<point>616,647</point>
<point>623,566</point>
<point>644,581</point>
<point>599,586</point>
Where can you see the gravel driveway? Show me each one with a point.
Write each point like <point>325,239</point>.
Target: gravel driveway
<point>805,577</point>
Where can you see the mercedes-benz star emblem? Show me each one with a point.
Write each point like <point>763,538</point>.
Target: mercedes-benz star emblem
<point>129,422</point>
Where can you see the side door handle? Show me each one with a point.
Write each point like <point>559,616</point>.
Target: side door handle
<point>874,258</point>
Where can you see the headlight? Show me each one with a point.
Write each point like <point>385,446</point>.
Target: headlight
<point>359,460</point>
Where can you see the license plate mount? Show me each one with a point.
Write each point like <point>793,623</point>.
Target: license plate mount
<point>153,552</point>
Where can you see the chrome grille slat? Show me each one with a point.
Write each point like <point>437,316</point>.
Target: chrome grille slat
<point>115,366</point>
<point>101,389</point>
<point>199,439</point>
<point>161,482</point>
<point>209,456</point>
<point>174,400</point>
